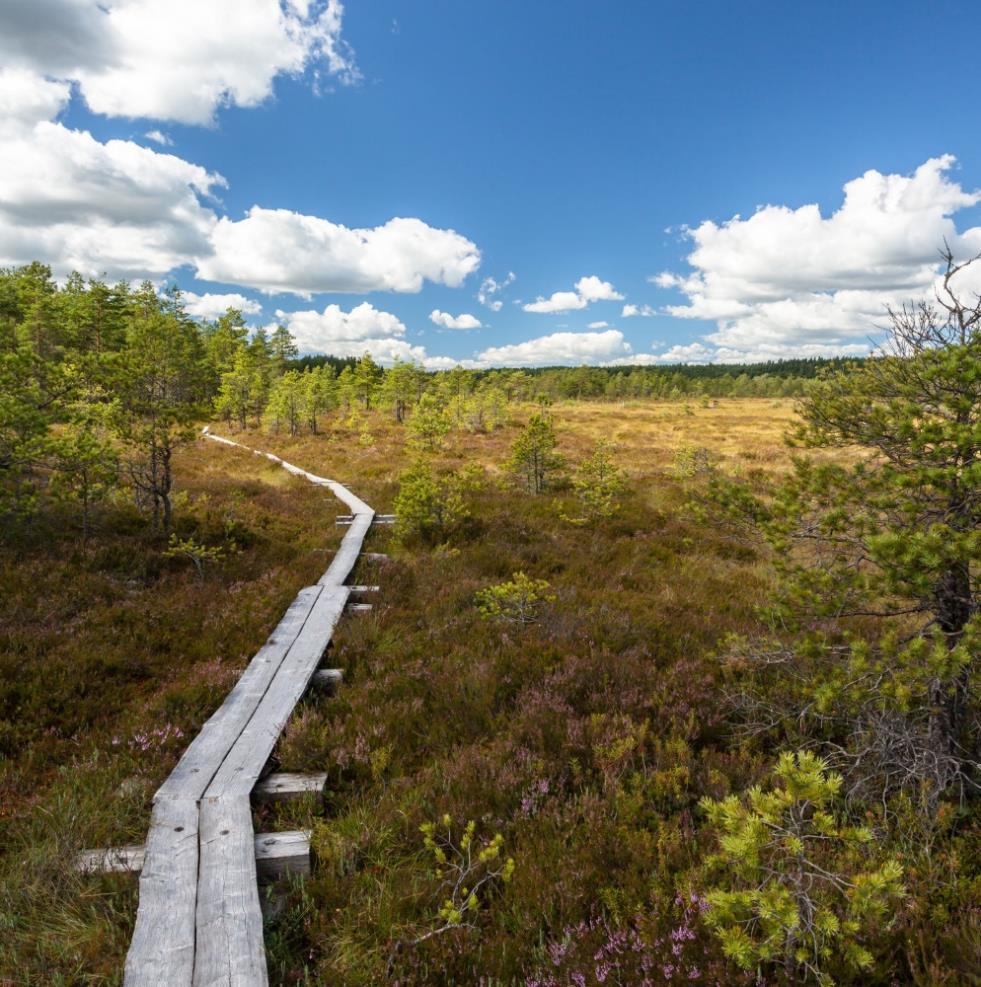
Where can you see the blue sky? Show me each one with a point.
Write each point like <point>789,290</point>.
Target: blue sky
<point>559,141</point>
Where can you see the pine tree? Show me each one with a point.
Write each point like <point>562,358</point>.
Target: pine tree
<point>240,388</point>
<point>282,348</point>
<point>367,377</point>
<point>161,387</point>
<point>285,408</point>
<point>222,341</point>
<point>533,458</point>
<point>429,424</point>
<point>319,387</point>
<point>401,387</point>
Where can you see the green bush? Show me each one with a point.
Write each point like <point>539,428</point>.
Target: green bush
<point>598,484</point>
<point>431,507</point>
<point>801,889</point>
<point>520,601</point>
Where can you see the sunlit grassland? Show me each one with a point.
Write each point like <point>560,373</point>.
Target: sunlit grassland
<point>612,700</point>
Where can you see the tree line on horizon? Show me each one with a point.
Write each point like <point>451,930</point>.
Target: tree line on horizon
<point>100,383</point>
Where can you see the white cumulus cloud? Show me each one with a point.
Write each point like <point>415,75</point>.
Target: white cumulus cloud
<point>587,289</point>
<point>558,348</point>
<point>125,210</point>
<point>790,282</point>
<point>630,311</point>
<point>74,202</point>
<point>558,301</point>
<point>598,325</point>
<point>122,209</point>
<point>592,289</point>
<point>174,59</point>
<point>210,306</point>
<point>277,250</point>
<point>27,98</point>
<point>364,329</point>
<point>462,321</point>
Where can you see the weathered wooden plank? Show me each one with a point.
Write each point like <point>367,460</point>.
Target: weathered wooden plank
<point>111,860</point>
<point>279,855</point>
<point>282,786</point>
<point>229,950</point>
<point>229,918</point>
<point>162,947</point>
<point>360,607</point>
<point>365,589</point>
<point>355,504</point>
<point>345,519</point>
<point>346,557</point>
<point>374,557</point>
<point>239,770</point>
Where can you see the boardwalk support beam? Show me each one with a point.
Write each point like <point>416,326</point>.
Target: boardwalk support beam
<point>276,855</point>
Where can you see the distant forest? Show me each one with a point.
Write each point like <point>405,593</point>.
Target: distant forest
<point>774,378</point>
<point>99,383</point>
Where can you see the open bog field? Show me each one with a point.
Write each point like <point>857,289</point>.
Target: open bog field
<point>584,740</point>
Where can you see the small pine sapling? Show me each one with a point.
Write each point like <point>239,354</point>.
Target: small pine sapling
<point>800,889</point>
<point>520,601</point>
<point>430,506</point>
<point>533,458</point>
<point>200,555</point>
<point>466,867</point>
<point>598,484</point>
<point>428,425</point>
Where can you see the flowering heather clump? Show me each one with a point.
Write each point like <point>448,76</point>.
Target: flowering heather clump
<point>152,740</point>
<point>598,951</point>
<point>532,800</point>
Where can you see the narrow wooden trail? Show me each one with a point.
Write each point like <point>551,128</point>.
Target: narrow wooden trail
<point>199,922</point>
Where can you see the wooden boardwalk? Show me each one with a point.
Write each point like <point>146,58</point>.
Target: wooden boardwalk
<point>199,922</point>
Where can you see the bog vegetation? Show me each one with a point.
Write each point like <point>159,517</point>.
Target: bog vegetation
<point>647,697</point>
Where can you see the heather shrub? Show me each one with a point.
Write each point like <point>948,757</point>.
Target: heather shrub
<point>640,950</point>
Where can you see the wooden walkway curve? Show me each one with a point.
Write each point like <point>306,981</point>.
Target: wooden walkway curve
<point>199,922</point>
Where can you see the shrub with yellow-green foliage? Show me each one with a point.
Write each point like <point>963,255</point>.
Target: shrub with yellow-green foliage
<point>802,888</point>
<point>519,601</point>
<point>431,506</point>
<point>466,869</point>
<point>598,484</point>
